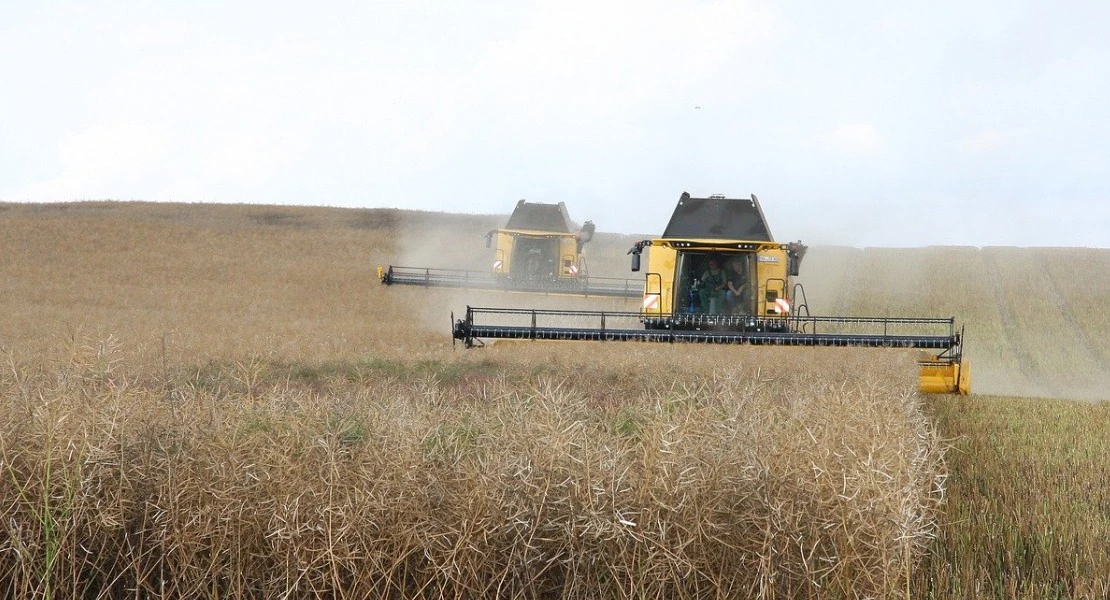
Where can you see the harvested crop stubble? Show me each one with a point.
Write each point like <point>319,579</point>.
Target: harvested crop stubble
<point>592,477</point>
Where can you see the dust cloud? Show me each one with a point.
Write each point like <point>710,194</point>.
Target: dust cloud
<point>438,240</point>
<point>1029,327</point>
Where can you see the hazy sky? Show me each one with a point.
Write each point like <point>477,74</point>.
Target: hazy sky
<point>862,123</point>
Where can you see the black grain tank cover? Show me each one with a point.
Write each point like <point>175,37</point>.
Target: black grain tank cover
<point>537,216</point>
<point>718,218</point>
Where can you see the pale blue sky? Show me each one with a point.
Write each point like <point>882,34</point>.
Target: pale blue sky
<point>864,123</point>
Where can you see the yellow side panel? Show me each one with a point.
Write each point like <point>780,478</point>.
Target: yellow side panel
<point>771,275</point>
<point>568,257</point>
<point>964,387</point>
<point>659,280</point>
<point>503,255</point>
<point>954,378</point>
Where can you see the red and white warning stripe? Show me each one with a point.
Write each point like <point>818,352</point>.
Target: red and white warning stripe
<point>782,307</point>
<point>651,301</point>
<point>497,265</point>
<point>573,269</point>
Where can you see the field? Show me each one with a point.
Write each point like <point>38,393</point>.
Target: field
<point>221,401</point>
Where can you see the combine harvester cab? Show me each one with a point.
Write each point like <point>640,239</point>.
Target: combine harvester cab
<point>717,276</point>
<point>717,267</point>
<point>538,247</point>
<point>537,251</point>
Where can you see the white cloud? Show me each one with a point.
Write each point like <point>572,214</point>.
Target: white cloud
<point>985,141</point>
<point>244,157</point>
<point>111,150</point>
<point>94,162</point>
<point>852,138</point>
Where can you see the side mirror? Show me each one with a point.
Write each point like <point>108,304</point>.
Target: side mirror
<point>635,251</point>
<point>794,253</point>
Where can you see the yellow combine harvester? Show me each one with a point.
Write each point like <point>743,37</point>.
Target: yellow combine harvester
<point>537,251</point>
<point>718,276</point>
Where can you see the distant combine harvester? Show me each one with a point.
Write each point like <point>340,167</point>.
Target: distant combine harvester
<point>537,251</point>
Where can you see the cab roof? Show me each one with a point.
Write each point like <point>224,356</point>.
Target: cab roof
<point>718,218</point>
<point>537,216</point>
